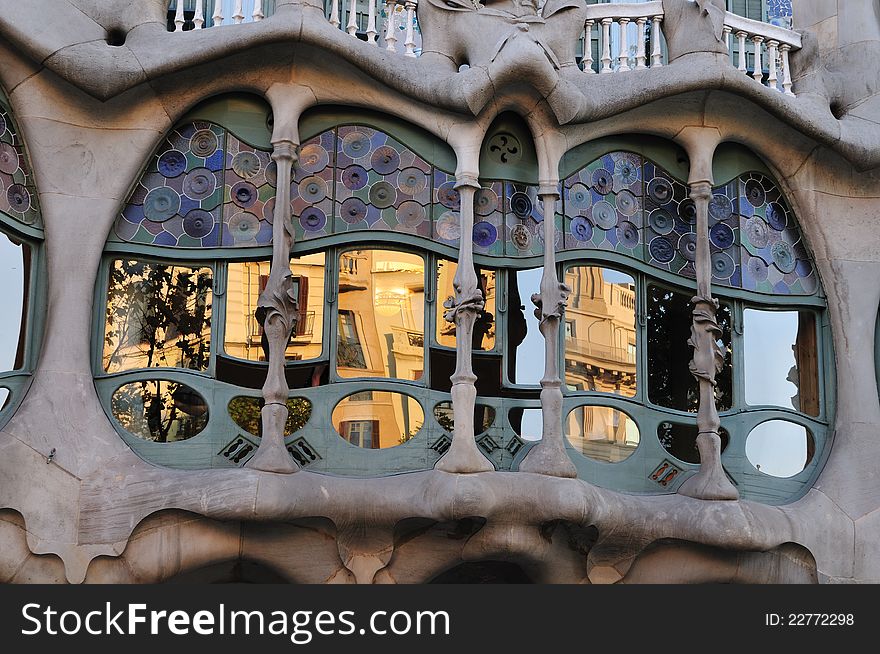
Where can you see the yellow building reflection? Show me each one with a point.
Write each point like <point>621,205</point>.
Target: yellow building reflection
<point>600,331</point>
<point>381,328</point>
<point>246,280</point>
<point>484,327</point>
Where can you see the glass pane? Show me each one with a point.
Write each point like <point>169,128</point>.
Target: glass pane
<point>245,412</point>
<point>602,433</point>
<point>780,448</point>
<point>4,397</point>
<point>781,359</point>
<point>681,440</point>
<point>160,411</point>
<point>389,419</point>
<point>528,424</point>
<point>526,354</point>
<point>600,331</point>
<point>670,382</point>
<point>246,280</point>
<point>157,315</point>
<point>484,327</point>
<point>14,280</point>
<point>484,416</point>
<point>381,328</point>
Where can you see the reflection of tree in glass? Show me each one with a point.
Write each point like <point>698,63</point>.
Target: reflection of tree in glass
<point>409,435</point>
<point>670,382</point>
<point>245,412</point>
<point>157,315</point>
<point>160,411</point>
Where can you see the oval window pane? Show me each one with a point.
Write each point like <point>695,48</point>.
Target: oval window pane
<point>245,412</point>
<point>247,280</point>
<point>14,277</point>
<point>780,448</point>
<point>158,315</point>
<point>602,433</point>
<point>600,331</point>
<point>484,417</point>
<point>381,328</point>
<point>527,423</point>
<point>387,420</point>
<point>160,411</point>
<point>781,359</point>
<point>680,440</point>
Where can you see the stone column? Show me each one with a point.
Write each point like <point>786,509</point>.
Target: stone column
<point>277,312</point>
<point>710,482</point>
<point>463,455</point>
<point>549,457</point>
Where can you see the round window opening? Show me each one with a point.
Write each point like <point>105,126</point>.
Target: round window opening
<point>377,420</point>
<point>160,411</point>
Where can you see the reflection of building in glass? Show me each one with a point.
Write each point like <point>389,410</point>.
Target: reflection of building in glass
<point>247,280</point>
<point>602,433</point>
<point>600,331</point>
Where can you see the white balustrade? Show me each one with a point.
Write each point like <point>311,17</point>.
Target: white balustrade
<point>363,21</point>
<point>621,22</point>
<point>764,42</point>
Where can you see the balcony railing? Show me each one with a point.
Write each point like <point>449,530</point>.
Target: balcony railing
<point>378,23</point>
<point>628,36</point>
<point>605,353</point>
<point>626,31</point>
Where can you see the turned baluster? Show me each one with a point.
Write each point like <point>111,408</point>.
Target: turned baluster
<point>178,17</point>
<point>390,28</point>
<point>258,14</point>
<point>640,45</point>
<point>410,42</point>
<point>371,23</point>
<point>238,12</point>
<point>772,52</point>
<point>199,16</point>
<point>352,26</point>
<point>588,47</point>
<point>758,73</point>
<point>334,14</point>
<point>217,18</point>
<point>742,51</point>
<point>656,52</point>
<point>786,71</point>
<point>606,45</point>
<point>623,57</point>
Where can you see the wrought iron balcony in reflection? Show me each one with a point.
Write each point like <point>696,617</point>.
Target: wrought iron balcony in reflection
<point>606,354</point>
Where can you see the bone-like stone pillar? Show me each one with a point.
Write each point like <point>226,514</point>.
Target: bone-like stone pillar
<point>463,455</point>
<point>277,312</point>
<point>549,457</point>
<point>710,482</point>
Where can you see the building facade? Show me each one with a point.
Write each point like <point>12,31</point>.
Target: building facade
<point>352,292</point>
